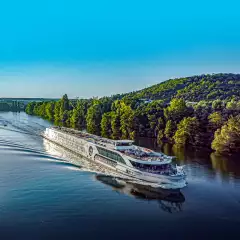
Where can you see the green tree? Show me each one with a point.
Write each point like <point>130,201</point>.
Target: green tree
<point>66,117</point>
<point>122,121</point>
<point>146,118</point>
<point>30,108</point>
<point>57,117</point>
<point>94,116</point>
<point>126,121</point>
<point>160,136</point>
<point>227,139</point>
<point>78,117</point>
<point>160,130</point>
<point>176,111</point>
<point>218,104</point>
<point>50,106</point>
<point>215,120</point>
<point>115,124</point>
<point>233,105</point>
<point>186,131</point>
<point>64,108</point>
<point>170,130</point>
<point>106,128</point>
<point>202,104</point>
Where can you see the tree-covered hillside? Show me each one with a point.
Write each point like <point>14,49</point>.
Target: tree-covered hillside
<point>223,86</point>
<point>211,121</point>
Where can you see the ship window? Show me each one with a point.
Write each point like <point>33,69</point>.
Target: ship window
<point>124,144</point>
<point>162,167</point>
<point>111,155</point>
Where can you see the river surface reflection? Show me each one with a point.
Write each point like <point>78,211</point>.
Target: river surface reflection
<point>168,200</point>
<point>200,162</point>
<point>47,192</point>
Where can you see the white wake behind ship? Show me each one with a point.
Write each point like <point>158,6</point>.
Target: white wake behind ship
<point>121,156</point>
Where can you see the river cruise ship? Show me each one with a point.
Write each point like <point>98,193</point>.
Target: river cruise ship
<point>122,156</point>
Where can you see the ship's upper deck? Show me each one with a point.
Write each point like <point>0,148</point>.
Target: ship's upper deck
<point>115,144</point>
<point>126,147</point>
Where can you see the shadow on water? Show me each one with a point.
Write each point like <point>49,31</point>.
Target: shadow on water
<point>168,200</point>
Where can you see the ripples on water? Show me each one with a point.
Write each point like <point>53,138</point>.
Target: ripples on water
<point>49,192</point>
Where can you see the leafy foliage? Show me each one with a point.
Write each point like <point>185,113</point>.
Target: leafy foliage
<point>196,110</point>
<point>227,139</point>
<point>106,127</point>
<point>93,119</point>
<point>223,86</point>
<point>186,130</point>
<point>176,110</point>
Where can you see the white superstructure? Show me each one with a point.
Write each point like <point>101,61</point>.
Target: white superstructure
<point>121,156</point>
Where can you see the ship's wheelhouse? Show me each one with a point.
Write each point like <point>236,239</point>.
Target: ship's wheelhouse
<point>121,145</point>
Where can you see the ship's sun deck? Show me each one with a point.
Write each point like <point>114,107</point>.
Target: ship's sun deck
<point>142,155</point>
<point>126,147</point>
<point>86,136</point>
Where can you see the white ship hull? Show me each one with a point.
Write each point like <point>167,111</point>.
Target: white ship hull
<point>93,152</point>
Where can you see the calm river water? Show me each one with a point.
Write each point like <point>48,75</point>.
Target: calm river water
<point>44,195</point>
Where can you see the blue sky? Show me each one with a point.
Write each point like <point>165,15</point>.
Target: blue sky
<point>96,48</point>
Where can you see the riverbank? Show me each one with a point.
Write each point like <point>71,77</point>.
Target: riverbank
<point>209,124</point>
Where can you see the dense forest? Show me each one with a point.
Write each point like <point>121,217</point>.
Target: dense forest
<point>223,86</point>
<point>202,111</point>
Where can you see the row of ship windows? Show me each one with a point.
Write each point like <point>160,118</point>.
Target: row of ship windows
<point>75,145</point>
<point>111,155</point>
<point>104,160</point>
<point>66,137</point>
